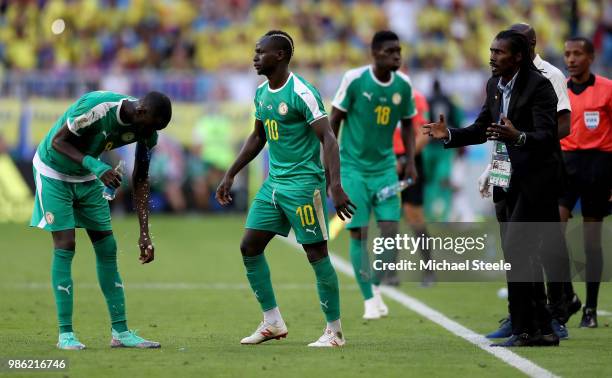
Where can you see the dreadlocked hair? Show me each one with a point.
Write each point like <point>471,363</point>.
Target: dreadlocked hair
<point>518,44</point>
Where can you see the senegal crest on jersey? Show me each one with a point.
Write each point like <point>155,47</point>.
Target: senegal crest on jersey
<point>128,137</point>
<point>396,99</point>
<point>282,108</point>
<point>49,217</point>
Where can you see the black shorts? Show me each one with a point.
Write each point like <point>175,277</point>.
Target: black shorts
<point>589,178</point>
<point>413,195</point>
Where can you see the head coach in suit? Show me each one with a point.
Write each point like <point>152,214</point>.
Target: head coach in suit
<point>520,110</point>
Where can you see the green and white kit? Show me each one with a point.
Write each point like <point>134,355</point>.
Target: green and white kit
<point>68,195</point>
<point>373,110</point>
<point>293,196</point>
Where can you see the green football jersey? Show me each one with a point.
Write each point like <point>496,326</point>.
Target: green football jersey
<point>287,114</point>
<point>373,110</point>
<point>95,119</point>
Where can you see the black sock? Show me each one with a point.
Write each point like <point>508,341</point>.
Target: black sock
<point>425,252</point>
<point>592,291</point>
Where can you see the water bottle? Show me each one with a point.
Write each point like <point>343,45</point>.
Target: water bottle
<point>109,192</point>
<point>393,189</point>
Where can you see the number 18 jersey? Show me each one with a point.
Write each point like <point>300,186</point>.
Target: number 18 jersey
<point>373,110</point>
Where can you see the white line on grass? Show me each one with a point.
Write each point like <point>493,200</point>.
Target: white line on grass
<point>509,357</point>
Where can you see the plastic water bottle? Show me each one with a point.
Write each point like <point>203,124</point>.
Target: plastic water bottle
<point>109,192</point>
<point>391,190</point>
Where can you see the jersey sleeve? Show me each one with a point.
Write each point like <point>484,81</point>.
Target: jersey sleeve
<point>560,85</point>
<point>309,103</point>
<point>90,108</point>
<point>81,118</point>
<point>344,96</point>
<point>256,102</point>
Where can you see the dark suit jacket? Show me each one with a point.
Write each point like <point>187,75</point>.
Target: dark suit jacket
<point>536,165</point>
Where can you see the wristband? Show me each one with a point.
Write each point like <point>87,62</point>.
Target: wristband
<point>95,166</point>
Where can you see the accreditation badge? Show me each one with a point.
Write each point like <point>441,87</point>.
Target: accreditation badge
<point>591,120</point>
<point>501,169</point>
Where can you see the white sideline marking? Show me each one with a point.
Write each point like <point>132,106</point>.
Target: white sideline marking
<point>163,286</point>
<point>504,354</point>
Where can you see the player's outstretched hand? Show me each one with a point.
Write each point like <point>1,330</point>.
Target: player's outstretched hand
<point>147,251</point>
<point>436,130</point>
<point>111,178</point>
<point>223,191</point>
<point>344,207</point>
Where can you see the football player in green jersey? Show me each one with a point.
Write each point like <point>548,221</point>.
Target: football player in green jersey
<point>291,119</point>
<point>370,102</point>
<point>69,183</point>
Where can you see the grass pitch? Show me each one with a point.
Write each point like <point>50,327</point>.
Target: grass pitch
<point>195,300</point>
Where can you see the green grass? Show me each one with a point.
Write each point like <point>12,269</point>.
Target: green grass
<point>200,328</point>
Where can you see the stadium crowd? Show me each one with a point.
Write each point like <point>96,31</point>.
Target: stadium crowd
<point>63,48</point>
<point>210,35</point>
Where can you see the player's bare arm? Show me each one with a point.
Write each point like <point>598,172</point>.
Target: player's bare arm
<point>344,206</point>
<point>410,147</point>
<point>335,120</point>
<point>251,148</point>
<point>140,178</point>
<point>67,143</point>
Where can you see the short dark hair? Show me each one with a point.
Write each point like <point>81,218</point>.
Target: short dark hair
<point>160,107</point>
<point>381,37</point>
<point>282,40</point>
<point>588,45</point>
<point>519,43</point>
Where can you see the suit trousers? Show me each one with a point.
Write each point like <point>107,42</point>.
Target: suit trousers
<point>532,242</point>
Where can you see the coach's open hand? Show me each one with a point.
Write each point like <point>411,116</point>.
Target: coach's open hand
<point>436,130</point>
<point>506,132</point>
<point>147,251</point>
<point>223,191</point>
<point>344,207</point>
<point>111,178</point>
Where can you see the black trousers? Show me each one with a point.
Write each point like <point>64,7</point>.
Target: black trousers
<point>533,243</point>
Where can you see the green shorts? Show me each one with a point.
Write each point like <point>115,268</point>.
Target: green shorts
<point>277,210</point>
<point>60,205</point>
<point>362,188</point>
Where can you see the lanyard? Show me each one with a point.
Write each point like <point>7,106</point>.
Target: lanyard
<point>501,168</point>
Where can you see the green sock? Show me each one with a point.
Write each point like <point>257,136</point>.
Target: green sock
<point>363,273</point>
<point>258,274</point>
<point>110,281</point>
<point>327,286</point>
<point>61,279</point>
